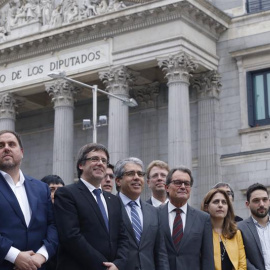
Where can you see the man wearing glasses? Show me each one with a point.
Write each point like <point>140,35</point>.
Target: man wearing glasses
<point>91,230</point>
<point>147,250</point>
<point>156,174</point>
<point>108,181</point>
<point>187,231</point>
<point>228,189</point>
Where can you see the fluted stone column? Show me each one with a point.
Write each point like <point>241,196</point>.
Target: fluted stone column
<point>62,94</point>
<point>209,169</point>
<point>7,111</point>
<point>118,81</point>
<point>177,69</point>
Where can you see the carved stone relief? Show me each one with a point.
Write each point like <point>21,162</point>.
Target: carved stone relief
<point>50,13</point>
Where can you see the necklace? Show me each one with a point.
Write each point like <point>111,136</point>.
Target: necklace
<point>223,252</point>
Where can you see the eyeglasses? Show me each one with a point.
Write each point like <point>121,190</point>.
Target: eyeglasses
<point>112,176</point>
<point>179,183</point>
<point>132,173</point>
<point>157,175</point>
<point>96,159</point>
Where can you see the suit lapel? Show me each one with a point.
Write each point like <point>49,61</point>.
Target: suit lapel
<point>92,202</point>
<point>32,194</point>
<point>146,220</point>
<point>253,230</point>
<point>164,220</point>
<point>11,198</point>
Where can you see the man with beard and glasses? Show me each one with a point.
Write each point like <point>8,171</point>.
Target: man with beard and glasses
<point>256,229</point>
<point>28,235</point>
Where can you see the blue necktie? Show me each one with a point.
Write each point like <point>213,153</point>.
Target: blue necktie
<point>101,206</point>
<point>136,222</point>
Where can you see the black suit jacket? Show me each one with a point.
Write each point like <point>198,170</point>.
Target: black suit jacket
<point>85,242</point>
<point>196,247</point>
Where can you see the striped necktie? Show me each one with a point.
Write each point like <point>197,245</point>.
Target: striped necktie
<point>136,222</point>
<point>177,229</point>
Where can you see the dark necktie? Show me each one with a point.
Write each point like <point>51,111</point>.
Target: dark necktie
<point>177,229</point>
<point>97,192</point>
<point>136,222</point>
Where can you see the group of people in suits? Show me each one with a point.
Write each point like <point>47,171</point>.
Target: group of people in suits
<point>91,229</point>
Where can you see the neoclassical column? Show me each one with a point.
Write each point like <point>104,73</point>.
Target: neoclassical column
<point>177,69</point>
<point>7,111</point>
<point>118,81</point>
<point>209,170</point>
<point>62,94</point>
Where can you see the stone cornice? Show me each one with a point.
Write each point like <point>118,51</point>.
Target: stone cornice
<point>111,24</point>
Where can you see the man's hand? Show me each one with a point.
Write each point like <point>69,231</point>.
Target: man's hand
<point>24,261</point>
<point>38,259</point>
<point>110,266</point>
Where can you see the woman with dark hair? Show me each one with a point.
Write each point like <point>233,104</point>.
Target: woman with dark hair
<point>229,252</point>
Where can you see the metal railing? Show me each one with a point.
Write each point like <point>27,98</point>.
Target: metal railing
<point>253,6</point>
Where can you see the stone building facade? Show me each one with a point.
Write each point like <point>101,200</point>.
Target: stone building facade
<point>198,69</point>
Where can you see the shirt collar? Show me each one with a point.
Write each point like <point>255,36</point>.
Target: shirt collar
<point>126,200</point>
<point>9,179</point>
<point>90,186</point>
<point>258,224</point>
<point>171,208</point>
<point>156,202</point>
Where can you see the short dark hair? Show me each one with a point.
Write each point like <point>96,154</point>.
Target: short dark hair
<point>52,179</point>
<point>90,147</point>
<point>181,169</point>
<point>18,137</point>
<point>254,187</point>
<point>110,166</point>
<point>222,184</point>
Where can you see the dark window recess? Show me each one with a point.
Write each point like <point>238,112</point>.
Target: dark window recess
<point>258,91</point>
<point>253,6</point>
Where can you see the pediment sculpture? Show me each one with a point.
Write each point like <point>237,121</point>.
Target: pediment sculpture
<point>50,13</point>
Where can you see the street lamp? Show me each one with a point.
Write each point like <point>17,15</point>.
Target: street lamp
<point>131,102</point>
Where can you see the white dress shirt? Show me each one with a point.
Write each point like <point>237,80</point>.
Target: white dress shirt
<point>138,206</point>
<point>156,202</point>
<point>172,215</point>
<point>20,193</point>
<point>91,189</point>
<point>264,235</point>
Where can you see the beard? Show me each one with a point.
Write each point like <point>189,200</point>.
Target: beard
<point>258,214</point>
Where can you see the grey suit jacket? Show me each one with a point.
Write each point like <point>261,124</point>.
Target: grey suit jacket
<point>151,252</point>
<point>196,247</point>
<point>252,244</point>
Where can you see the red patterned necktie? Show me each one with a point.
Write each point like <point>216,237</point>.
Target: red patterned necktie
<point>177,229</point>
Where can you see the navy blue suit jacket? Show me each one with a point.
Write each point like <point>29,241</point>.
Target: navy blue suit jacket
<point>13,229</point>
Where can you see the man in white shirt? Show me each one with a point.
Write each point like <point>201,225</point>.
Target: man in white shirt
<point>91,229</point>
<point>156,174</point>
<point>28,236</point>
<point>187,231</point>
<point>146,243</point>
<point>256,229</point>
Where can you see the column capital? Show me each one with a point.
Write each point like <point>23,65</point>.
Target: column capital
<point>62,92</point>
<point>118,79</point>
<point>207,85</point>
<point>8,106</point>
<point>146,95</point>
<point>178,67</point>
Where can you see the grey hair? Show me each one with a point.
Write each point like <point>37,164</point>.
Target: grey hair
<point>223,184</point>
<point>119,168</point>
<point>181,168</point>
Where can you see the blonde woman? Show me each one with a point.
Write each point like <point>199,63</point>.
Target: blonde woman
<point>229,252</point>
